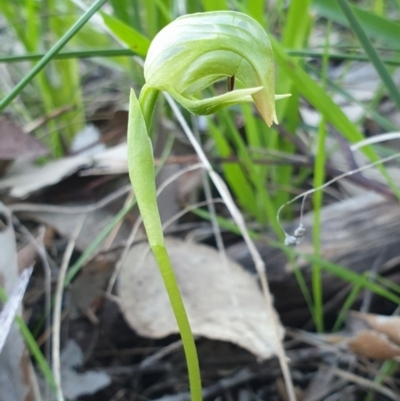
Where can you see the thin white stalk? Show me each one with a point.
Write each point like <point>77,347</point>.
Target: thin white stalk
<point>239,220</point>
<point>211,208</point>
<point>303,195</point>
<point>57,310</point>
<point>375,139</point>
<point>218,237</point>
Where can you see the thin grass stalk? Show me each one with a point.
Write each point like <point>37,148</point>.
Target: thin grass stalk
<point>58,308</point>
<point>319,177</point>
<point>388,368</point>
<point>129,53</point>
<point>349,302</point>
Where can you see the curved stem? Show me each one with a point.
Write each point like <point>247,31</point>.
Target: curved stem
<point>175,298</point>
<point>141,172</point>
<point>147,100</point>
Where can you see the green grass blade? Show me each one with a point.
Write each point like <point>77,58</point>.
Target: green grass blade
<point>387,370</point>
<point>150,23</point>
<point>90,53</point>
<point>340,56</point>
<point>122,10</point>
<point>371,52</point>
<point>215,5</point>
<point>256,9</point>
<point>50,54</point>
<point>348,275</point>
<point>295,35</point>
<point>234,173</point>
<point>351,298</point>
<point>71,55</point>
<point>266,207</point>
<point>322,102</point>
<point>376,27</point>
<point>375,116</point>
<point>315,94</point>
<point>128,35</point>
<point>297,24</point>
<point>319,178</point>
<point>166,15</point>
<point>32,27</point>
<point>387,283</point>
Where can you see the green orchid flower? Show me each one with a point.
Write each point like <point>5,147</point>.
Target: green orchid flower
<point>197,50</point>
<point>186,57</point>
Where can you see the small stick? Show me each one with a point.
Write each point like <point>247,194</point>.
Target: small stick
<point>57,309</point>
<point>231,83</point>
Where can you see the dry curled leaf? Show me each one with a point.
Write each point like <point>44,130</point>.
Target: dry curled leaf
<point>374,345</point>
<point>374,336</point>
<point>222,303</point>
<point>388,325</point>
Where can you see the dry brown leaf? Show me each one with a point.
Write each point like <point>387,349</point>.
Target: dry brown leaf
<point>15,143</point>
<point>388,325</point>
<point>374,345</point>
<point>87,290</point>
<point>222,303</point>
<point>24,178</point>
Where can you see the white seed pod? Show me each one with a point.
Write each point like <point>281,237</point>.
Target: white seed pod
<point>290,240</point>
<point>300,231</point>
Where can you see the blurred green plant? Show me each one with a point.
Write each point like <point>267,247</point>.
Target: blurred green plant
<point>58,84</point>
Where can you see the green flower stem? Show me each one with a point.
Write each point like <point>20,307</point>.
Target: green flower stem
<point>147,100</point>
<point>141,172</point>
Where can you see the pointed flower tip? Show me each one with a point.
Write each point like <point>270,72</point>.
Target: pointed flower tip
<point>279,97</point>
<point>275,119</point>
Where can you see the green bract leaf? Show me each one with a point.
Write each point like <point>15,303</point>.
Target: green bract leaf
<point>196,50</point>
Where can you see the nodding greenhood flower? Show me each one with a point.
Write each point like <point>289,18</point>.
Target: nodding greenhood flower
<point>197,50</point>
<point>184,58</point>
